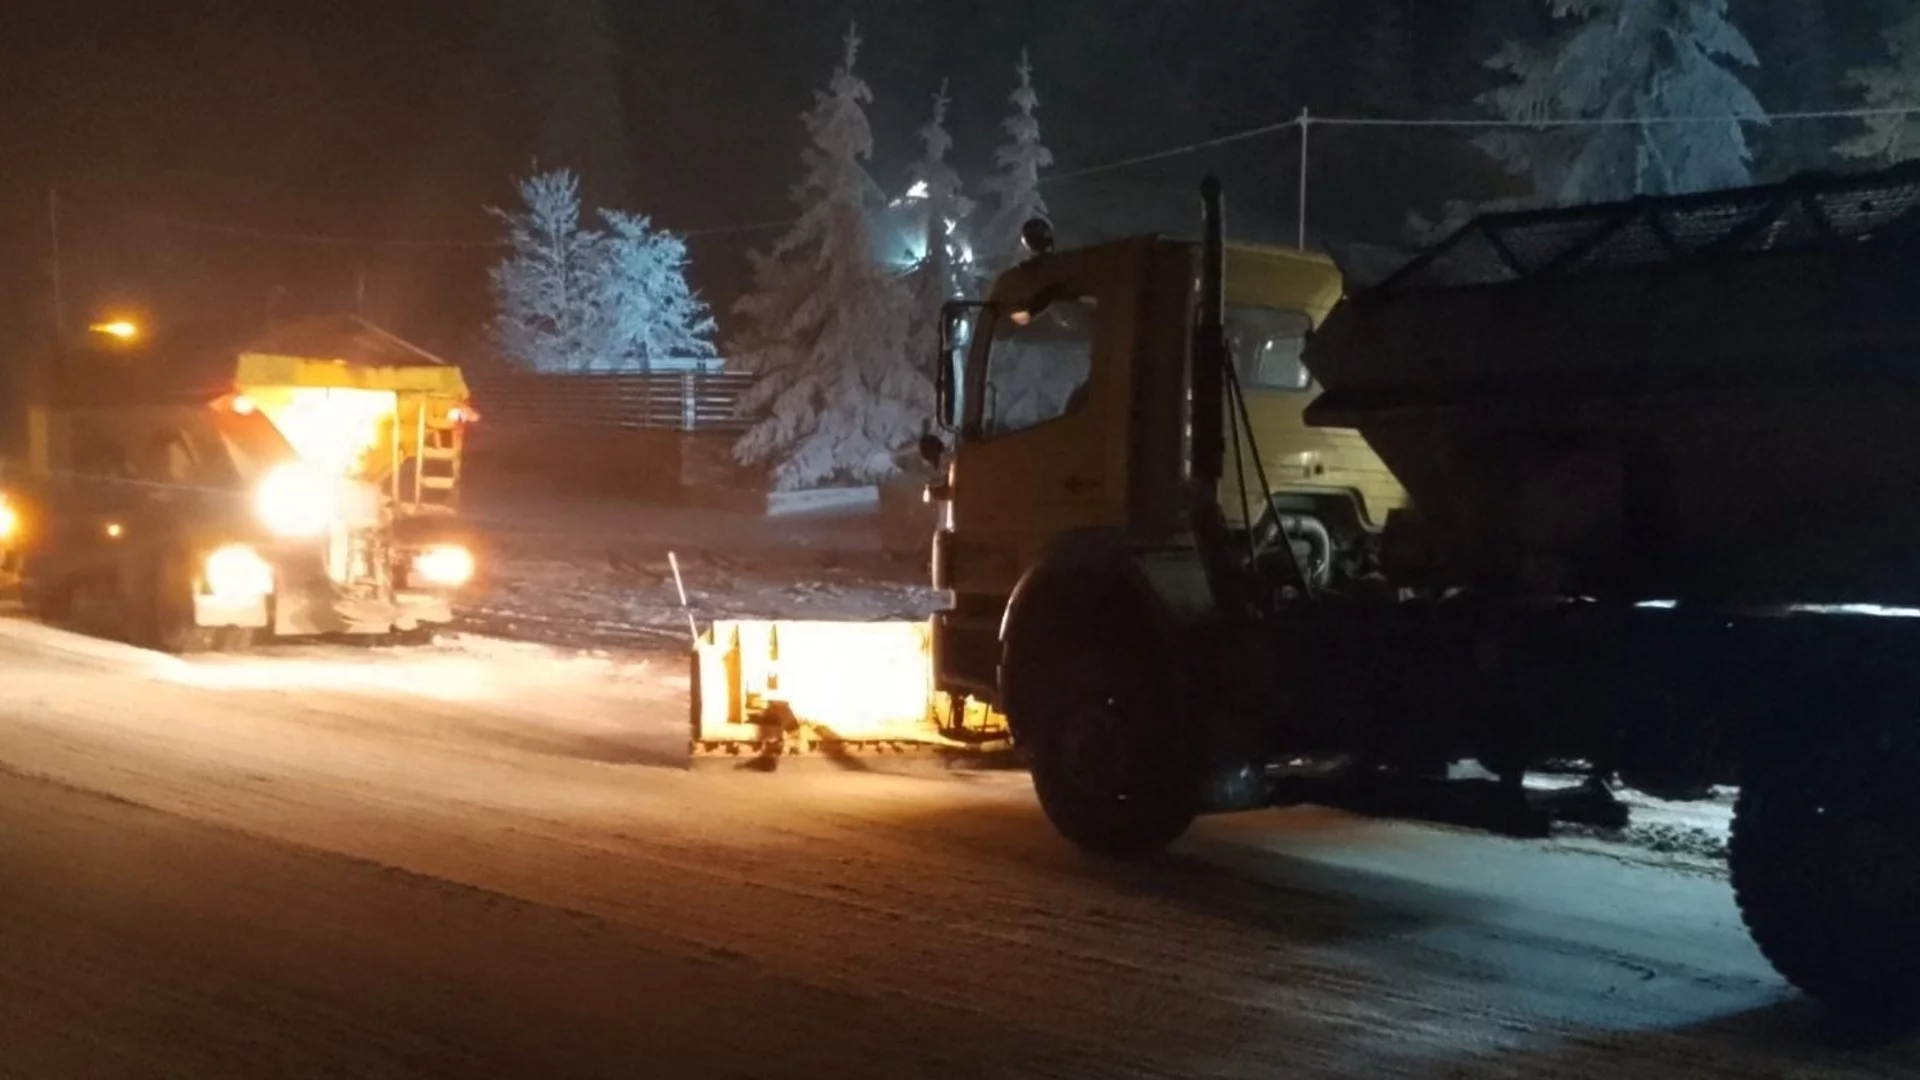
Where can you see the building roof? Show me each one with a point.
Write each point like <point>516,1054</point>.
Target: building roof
<point>204,361</point>
<point>346,338</point>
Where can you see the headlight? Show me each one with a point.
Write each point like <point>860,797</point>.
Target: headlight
<point>238,571</point>
<point>445,565</point>
<point>295,501</point>
<point>9,520</point>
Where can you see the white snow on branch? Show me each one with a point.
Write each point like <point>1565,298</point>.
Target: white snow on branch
<point>1622,59</point>
<point>825,329</point>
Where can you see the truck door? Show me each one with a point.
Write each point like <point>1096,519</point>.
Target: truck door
<point>1043,446</point>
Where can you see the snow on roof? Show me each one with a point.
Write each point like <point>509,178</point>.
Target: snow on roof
<point>347,338</point>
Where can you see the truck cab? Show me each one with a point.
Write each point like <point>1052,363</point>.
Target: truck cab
<point>1066,392</point>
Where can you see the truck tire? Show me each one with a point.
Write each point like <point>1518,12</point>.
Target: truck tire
<point>50,601</point>
<point>417,636</point>
<point>1106,752</point>
<point>1825,861</point>
<point>165,622</point>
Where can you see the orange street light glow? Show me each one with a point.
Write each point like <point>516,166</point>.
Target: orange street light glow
<point>120,328</point>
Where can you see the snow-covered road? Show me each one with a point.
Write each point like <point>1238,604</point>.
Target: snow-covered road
<point>480,860</point>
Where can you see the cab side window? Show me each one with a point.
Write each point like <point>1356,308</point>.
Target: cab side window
<point>165,458</point>
<point>1039,365</point>
<point>98,456</point>
<point>1267,344</point>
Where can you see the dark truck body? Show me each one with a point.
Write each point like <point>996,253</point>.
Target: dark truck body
<point>1661,459</point>
<point>1711,398</point>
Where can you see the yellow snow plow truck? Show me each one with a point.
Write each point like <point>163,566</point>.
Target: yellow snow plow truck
<point>1599,566</point>
<point>1043,463</point>
<point>187,493</point>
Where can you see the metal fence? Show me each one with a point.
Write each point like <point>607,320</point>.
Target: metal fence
<point>671,401</point>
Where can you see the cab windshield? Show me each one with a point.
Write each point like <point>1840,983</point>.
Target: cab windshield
<point>250,443</point>
<point>1267,344</point>
<point>1038,367</point>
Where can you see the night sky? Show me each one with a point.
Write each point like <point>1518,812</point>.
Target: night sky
<point>405,118</point>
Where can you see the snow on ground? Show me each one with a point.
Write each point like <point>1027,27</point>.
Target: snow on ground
<point>462,861</point>
<point>573,572</point>
<point>584,572</point>
<point>633,597</point>
<point>1689,835</point>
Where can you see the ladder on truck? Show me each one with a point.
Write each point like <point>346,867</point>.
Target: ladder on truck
<point>433,483</point>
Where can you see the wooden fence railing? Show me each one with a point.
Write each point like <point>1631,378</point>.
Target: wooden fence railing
<point>674,401</point>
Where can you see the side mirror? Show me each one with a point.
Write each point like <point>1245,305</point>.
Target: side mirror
<point>957,320</point>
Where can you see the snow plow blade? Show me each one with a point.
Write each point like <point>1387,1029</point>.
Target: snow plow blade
<point>852,695</point>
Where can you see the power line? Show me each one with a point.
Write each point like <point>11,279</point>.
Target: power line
<point>1304,122</point>
<point>1173,152</point>
<point>1307,122</point>
<point>727,230</point>
<point>1609,121</point>
<point>342,240</point>
<point>318,239</point>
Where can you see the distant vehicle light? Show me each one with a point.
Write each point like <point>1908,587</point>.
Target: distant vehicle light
<point>236,571</point>
<point>296,500</point>
<point>123,329</point>
<point>444,565</point>
<point>115,530</point>
<point>9,519</point>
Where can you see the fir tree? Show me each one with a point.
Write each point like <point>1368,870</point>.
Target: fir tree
<point>935,190</point>
<point>941,207</point>
<point>651,313</point>
<point>1892,84</point>
<point>569,298</point>
<point>1016,188</point>
<point>1621,60</point>
<point>543,290</point>
<point>825,328</point>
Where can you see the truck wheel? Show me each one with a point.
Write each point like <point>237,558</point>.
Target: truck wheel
<point>168,618</point>
<point>1825,861</point>
<point>51,602</point>
<point>417,636</point>
<point>1106,753</point>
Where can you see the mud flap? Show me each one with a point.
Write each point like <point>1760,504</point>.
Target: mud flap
<point>853,696</point>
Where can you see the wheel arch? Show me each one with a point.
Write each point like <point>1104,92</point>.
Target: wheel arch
<point>1096,576</point>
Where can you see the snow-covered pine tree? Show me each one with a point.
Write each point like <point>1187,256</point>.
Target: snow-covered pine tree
<point>935,195</point>
<point>649,311</point>
<point>568,298</point>
<point>1618,60</point>
<point>825,328</point>
<point>544,289</point>
<point>1893,84</point>
<point>1016,189</point>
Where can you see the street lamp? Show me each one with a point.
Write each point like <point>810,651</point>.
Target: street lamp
<point>124,329</point>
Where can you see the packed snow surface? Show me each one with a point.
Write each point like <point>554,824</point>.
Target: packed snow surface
<point>586,572</point>
<point>485,858</point>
